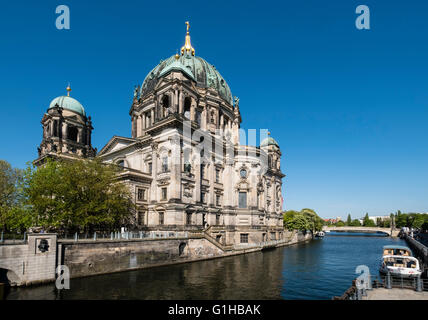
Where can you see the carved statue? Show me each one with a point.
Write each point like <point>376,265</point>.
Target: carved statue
<point>136,90</point>
<point>236,99</point>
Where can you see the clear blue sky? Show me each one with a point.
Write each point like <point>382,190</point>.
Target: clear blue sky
<point>348,107</point>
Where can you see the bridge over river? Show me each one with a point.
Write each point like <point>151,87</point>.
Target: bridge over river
<point>363,230</point>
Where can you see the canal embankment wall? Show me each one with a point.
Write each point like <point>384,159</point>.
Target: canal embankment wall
<point>419,250</point>
<point>36,261</point>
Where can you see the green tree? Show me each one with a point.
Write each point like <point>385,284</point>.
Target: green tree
<point>400,219</point>
<point>367,222</point>
<point>349,220</point>
<point>315,222</point>
<point>10,197</point>
<point>355,223</point>
<point>303,220</point>
<point>77,195</point>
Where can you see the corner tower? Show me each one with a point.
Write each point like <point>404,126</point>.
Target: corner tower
<point>66,131</point>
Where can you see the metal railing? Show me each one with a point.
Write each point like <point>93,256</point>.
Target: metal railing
<point>13,238</point>
<point>385,281</point>
<point>263,244</point>
<point>128,235</point>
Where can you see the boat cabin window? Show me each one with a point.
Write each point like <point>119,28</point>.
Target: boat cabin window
<point>400,263</point>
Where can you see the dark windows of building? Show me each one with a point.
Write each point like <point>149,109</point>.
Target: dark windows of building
<point>165,164</point>
<point>189,218</point>
<point>121,163</point>
<point>217,200</point>
<point>217,219</point>
<point>72,133</point>
<point>141,194</point>
<point>187,103</point>
<point>217,175</point>
<point>165,104</point>
<point>242,200</point>
<point>149,167</point>
<point>187,167</point>
<point>212,117</point>
<point>243,173</point>
<point>181,248</point>
<point>164,193</point>
<point>55,128</point>
<point>244,237</point>
<point>198,118</point>
<point>161,218</point>
<point>140,218</point>
<point>218,238</point>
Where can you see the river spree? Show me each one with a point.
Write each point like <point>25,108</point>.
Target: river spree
<point>319,269</point>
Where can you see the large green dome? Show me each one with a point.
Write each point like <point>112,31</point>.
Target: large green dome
<point>269,141</point>
<point>205,75</point>
<point>68,103</point>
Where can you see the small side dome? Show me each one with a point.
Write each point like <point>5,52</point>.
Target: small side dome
<point>69,103</point>
<point>269,141</point>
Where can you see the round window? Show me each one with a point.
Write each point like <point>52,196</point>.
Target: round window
<point>243,173</point>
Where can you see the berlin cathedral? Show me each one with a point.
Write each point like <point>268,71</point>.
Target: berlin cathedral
<point>234,196</point>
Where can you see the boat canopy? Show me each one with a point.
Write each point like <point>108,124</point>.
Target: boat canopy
<point>397,250</point>
<point>396,247</point>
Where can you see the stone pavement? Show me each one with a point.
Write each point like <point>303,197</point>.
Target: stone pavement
<point>395,294</point>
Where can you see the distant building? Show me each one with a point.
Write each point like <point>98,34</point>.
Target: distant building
<point>374,218</point>
<point>333,221</point>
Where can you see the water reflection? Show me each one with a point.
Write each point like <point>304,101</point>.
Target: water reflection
<point>316,270</point>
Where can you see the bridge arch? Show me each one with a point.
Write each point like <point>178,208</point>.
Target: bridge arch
<point>10,276</point>
<point>386,231</point>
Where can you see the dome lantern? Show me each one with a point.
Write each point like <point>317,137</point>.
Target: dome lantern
<point>187,48</point>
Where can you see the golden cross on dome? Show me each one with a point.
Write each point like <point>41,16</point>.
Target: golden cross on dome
<point>68,89</point>
<point>187,45</point>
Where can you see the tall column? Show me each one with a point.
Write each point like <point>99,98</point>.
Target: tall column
<point>180,102</point>
<point>139,126</point>
<point>64,130</point>
<point>79,135</point>
<point>192,109</point>
<point>176,165</point>
<point>212,179</point>
<point>152,117</point>
<point>154,187</point>
<point>204,119</point>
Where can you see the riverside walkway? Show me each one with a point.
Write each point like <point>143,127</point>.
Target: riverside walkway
<point>395,294</point>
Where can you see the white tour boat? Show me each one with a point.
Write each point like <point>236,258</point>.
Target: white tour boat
<point>401,266</point>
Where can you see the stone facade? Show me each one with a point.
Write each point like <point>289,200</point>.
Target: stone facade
<point>33,262</point>
<point>184,163</point>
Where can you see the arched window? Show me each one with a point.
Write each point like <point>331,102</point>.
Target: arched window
<point>72,133</point>
<point>165,105</point>
<point>55,128</point>
<point>187,104</point>
<point>121,163</point>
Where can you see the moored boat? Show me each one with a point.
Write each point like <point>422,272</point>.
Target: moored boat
<point>393,250</point>
<point>320,234</point>
<point>401,266</point>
